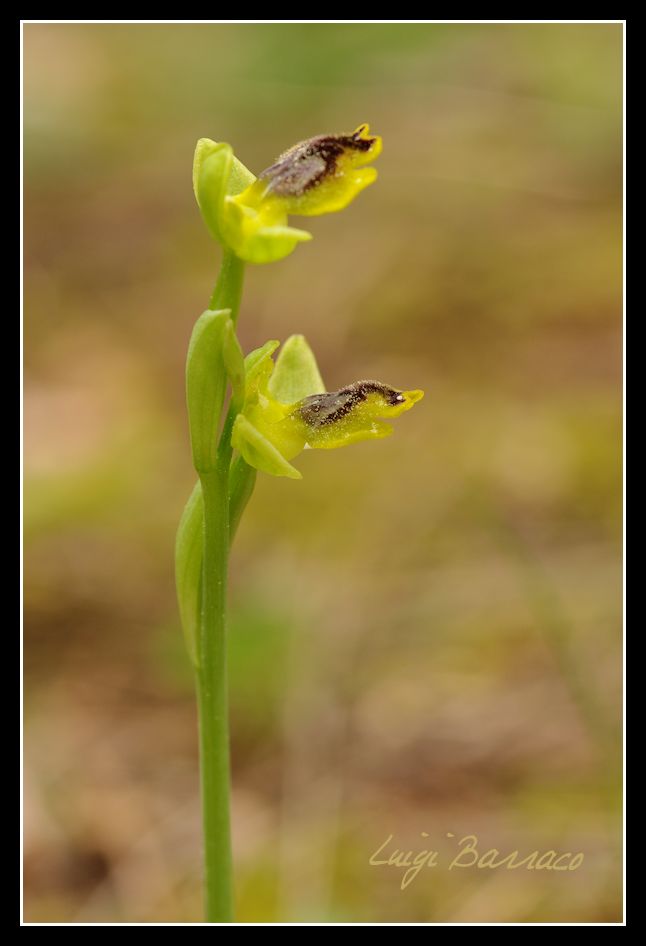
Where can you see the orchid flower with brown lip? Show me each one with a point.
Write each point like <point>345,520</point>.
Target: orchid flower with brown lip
<point>249,215</point>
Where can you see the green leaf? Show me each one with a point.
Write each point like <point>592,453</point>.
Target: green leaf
<point>259,452</point>
<point>205,386</point>
<point>296,374</point>
<point>188,570</point>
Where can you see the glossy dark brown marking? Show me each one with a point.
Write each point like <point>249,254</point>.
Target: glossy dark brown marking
<point>319,410</point>
<point>308,163</point>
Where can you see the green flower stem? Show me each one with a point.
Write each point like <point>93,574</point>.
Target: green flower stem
<point>213,703</point>
<point>228,288</point>
<point>212,673</point>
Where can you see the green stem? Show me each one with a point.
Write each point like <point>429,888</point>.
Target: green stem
<point>228,288</point>
<point>213,703</point>
<point>212,674</point>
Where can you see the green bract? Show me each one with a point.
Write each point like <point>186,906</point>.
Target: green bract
<point>206,383</point>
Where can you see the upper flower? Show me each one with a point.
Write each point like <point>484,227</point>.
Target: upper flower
<point>249,215</point>
<point>287,410</point>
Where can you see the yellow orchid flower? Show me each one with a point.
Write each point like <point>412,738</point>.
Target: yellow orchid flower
<point>249,215</point>
<point>272,428</point>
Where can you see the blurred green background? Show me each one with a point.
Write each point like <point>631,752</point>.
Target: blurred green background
<point>425,631</point>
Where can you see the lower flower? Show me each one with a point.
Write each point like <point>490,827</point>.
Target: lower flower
<point>273,428</point>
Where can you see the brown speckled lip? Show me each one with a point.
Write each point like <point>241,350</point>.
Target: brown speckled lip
<point>308,163</point>
<point>319,410</point>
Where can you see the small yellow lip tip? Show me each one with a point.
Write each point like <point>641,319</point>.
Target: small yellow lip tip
<point>414,396</point>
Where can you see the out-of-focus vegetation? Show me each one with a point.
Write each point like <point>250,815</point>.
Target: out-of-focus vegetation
<point>425,631</point>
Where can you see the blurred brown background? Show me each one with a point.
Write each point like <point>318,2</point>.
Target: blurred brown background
<point>425,631</point>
